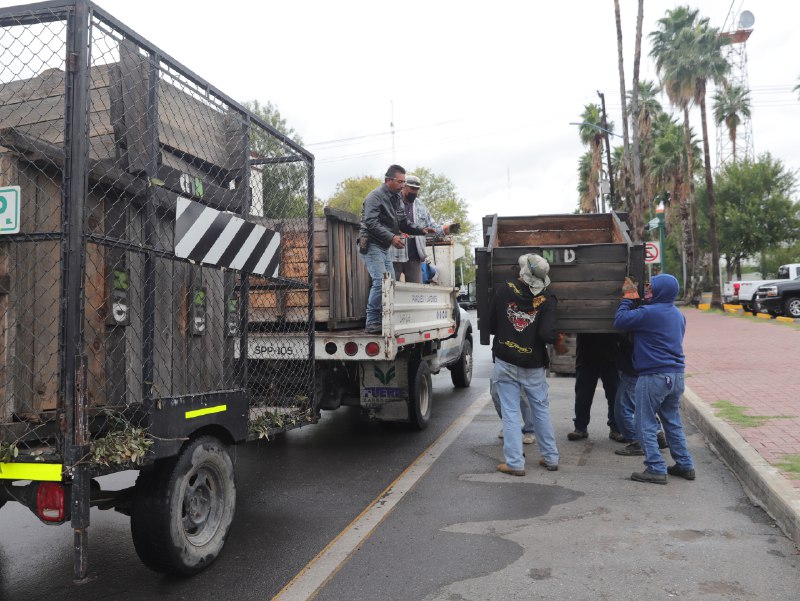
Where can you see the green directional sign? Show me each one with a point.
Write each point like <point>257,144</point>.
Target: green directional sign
<point>9,210</point>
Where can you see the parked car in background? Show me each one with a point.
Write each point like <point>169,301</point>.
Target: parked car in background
<point>467,298</point>
<point>780,298</point>
<point>744,291</point>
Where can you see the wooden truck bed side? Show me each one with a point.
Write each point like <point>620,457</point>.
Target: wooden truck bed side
<point>589,256</point>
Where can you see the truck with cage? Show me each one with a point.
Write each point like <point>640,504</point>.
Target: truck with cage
<point>590,255</point>
<point>138,206</point>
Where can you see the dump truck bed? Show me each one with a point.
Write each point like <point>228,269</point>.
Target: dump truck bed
<point>589,256</point>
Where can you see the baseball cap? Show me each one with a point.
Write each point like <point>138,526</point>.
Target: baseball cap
<point>412,181</point>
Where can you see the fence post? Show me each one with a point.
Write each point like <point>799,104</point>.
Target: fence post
<point>76,109</point>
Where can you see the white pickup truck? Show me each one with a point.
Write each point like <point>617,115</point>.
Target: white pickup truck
<point>388,375</point>
<point>743,292</point>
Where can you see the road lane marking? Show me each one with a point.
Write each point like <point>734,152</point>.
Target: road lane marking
<point>316,574</point>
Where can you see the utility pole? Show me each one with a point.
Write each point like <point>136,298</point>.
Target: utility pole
<point>608,147</point>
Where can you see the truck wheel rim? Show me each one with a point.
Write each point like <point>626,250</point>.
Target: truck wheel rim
<point>794,308</point>
<point>424,397</point>
<point>202,505</point>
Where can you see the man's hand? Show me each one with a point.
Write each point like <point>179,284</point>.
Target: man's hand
<point>429,230</point>
<point>560,345</point>
<point>398,242</point>
<point>629,289</point>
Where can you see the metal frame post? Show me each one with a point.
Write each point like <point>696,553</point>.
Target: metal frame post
<point>76,110</point>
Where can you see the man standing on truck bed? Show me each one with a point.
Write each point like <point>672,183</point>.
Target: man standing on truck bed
<point>522,319</point>
<point>382,221</point>
<point>658,358</point>
<point>409,259</point>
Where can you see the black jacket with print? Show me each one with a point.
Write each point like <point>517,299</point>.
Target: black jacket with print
<point>522,324</point>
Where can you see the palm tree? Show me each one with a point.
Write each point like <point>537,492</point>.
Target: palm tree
<point>731,104</point>
<point>585,197</point>
<point>591,132</point>
<point>680,90</point>
<point>625,171</point>
<point>637,217</point>
<point>649,109</point>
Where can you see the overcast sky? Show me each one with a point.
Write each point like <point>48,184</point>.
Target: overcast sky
<point>482,92</point>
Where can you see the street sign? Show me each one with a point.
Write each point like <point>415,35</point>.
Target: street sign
<point>9,210</point>
<point>652,252</point>
<point>652,224</point>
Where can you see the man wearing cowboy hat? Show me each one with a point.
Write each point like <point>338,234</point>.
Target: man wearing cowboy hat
<point>408,260</point>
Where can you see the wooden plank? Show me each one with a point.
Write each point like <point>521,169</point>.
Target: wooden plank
<point>553,222</point>
<point>584,253</point>
<point>134,340</point>
<point>49,82</point>
<point>578,325</point>
<point>50,109</point>
<point>134,73</point>
<point>594,309</point>
<point>8,176</point>
<point>588,272</point>
<point>555,237</point>
<point>95,303</point>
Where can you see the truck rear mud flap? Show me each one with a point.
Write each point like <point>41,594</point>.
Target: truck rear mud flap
<point>384,389</point>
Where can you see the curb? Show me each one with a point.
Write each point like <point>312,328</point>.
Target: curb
<point>762,482</point>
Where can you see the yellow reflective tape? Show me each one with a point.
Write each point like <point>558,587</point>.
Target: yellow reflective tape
<point>50,472</point>
<point>206,411</point>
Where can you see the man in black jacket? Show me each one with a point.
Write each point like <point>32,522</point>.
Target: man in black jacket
<point>382,221</point>
<point>523,319</point>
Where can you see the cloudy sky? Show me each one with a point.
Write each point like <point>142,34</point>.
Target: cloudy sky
<point>482,92</point>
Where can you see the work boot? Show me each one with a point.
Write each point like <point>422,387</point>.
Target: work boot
<point>577,435</point>
<point>374,328</point>
<point>550,467</point>
<point>510,470</point>
<point>676,470</point>
<point>528,438</point>
<point>649,477</point>
<point>662,441</point>
<point>633,449</point>
<point>615,435</point>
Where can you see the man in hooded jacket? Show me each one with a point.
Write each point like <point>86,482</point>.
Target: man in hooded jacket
<point>522,319</point>
<point>658,358</point>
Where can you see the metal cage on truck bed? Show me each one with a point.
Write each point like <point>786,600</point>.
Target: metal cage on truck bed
<point>132,197</point>
<point>590,256</point>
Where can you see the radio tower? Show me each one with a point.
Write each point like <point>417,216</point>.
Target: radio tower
<point>736,55</point>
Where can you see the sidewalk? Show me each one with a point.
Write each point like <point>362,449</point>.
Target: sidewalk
<point>743,392</point>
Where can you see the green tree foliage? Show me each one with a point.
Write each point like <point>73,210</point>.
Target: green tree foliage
<point>284,185</point>
<point>591,134</point>
<point>756,209</point>
<point>350,193</point>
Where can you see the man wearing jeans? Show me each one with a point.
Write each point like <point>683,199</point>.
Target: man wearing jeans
<point>382,221</point>
<point>658,358</point>
<point>522,319</point>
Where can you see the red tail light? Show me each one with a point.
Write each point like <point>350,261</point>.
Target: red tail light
<point>50,502</point>
<point>351,348</point>
<point>372,349</point>
<point>736,289</point>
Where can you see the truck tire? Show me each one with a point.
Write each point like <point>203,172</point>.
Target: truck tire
<point>461,372</point>
<point>183,509</point>
<point>420,394</point>
<point>791,307</point>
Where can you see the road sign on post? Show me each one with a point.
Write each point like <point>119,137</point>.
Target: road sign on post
<point>9,210</point>
<point>652,252</point>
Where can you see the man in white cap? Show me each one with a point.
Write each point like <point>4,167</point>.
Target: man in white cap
<point>522,319</point>
<point>408,260</point>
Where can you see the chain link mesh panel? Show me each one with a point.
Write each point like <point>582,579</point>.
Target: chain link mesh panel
<point>196,230</point>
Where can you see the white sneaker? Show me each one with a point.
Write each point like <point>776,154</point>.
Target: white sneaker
<point>500,436</point>
<point>528,438</point>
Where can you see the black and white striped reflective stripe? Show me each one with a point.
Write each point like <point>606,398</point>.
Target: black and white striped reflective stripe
<point>205,235</point>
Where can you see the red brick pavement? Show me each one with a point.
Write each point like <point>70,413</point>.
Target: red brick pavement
<point>752,363</point>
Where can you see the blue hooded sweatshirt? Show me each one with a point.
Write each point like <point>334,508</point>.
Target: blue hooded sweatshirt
<point>658,328</point>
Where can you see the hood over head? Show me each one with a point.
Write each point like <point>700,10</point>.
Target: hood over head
<point>665,288</point>
<point>533,270</point>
